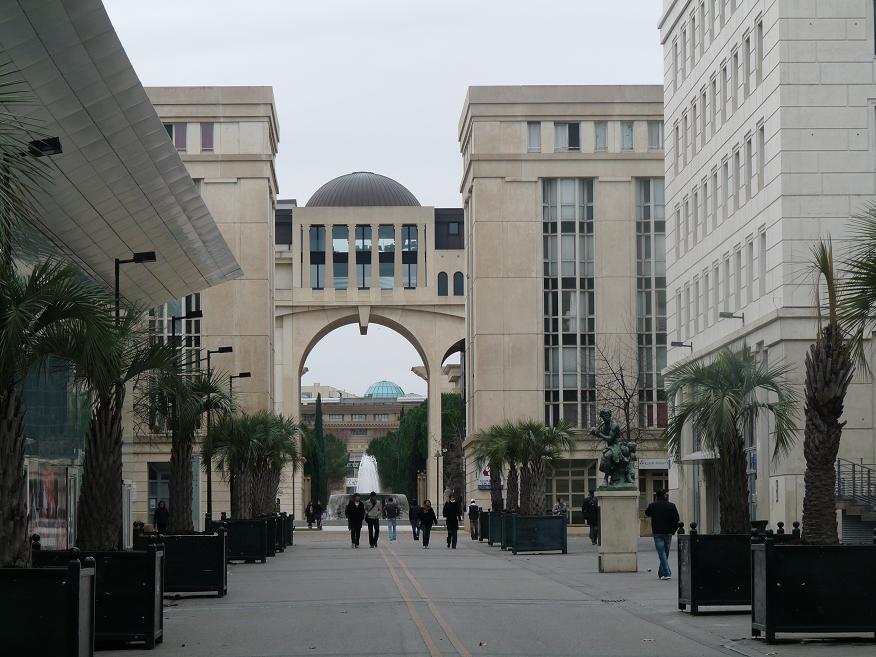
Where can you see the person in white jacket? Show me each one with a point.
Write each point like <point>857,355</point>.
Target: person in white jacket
<point>373,511</point>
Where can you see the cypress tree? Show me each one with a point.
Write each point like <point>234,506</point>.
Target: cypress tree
<point>320,481</point>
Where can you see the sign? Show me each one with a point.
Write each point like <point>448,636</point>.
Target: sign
<point>350,482</point>
<point>655,464</point>
<point>484,479</point>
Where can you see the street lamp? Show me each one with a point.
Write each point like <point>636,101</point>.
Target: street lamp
<point>220,350</point>
<point>438,454</point>
<point>242,375</point>
<point>725,315</point>
<point>138,258</point>
<point>675,343</point>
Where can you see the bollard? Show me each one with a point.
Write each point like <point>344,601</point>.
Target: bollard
<point>680,528</point>
<point>35,542</point>
<point>693,528</point>
<point>781,530</point>
<point>796,530</point>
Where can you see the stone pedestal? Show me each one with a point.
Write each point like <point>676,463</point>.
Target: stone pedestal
<point>619,530</point>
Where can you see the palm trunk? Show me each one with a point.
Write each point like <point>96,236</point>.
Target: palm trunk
<point>525,507</point>
<point>537,486</point>
<point>180,484</point>
<point>241,501</point>
<point>100,502</point>
<point>14,546</point>
<point>828,374</point>
<point>512,501</point>
<point>496,487</point>
<point>262,498</point>
<point>733,487</point>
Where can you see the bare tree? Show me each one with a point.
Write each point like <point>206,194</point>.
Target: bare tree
<point>619,380</point>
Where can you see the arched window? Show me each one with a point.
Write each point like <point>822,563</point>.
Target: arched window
<point>442,284</point>
<point>458,284</point>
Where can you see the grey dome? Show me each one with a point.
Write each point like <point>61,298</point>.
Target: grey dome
<point>362,188</point>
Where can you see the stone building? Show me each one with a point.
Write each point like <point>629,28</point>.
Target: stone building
<point>563,194</point>
<point>770,125</point>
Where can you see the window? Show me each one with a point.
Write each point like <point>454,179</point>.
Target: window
<point>340,257</point>
<point>386,256</point>
<point>684,129</point>
<point>177,134</point>
<point>601,135</point>
<point>716,293</point>
<point>746,66</point>
<point>686,208</point>
<point>458,284</point>
<point>358,417</point>
<point>696,308</point>
<point>760,157</point>
<point>678,315</point>
<point>758,44</point>
<point>655,135</point>
<point>687,313</point>
<point>186,333</point>
<point>363,257</point>
<point>722,9</point>
<point>693,38</point>
<point>677,232</point>
<point>695,207</point>
<point>701,28</point>
<point>627,132</point>
<point>713,109</point>
<point>693,129</point>
<point>734,80</point>
<point>409,256</point>
<point>707,279</point>
<point>714,195</point>
<point>749,270</point>
<point>761,262</point>
<point>748,169</point>
<point>442,284</point>
<point>381,417</point>
<point>533,131</point>
<point>453,228</point>
<point>674,65</point>
<point>737,180</point>
<point>677,153</point>
<point>317,257</point>
<point>567,137</point>
<point>683,53</point>
<point>308,417</point>
<point>334,417</point>
<point>705,198</point>
<point>725,93</point>
<point>725,190</point>
<point>726,283</point>
<point>703,118</point>
<point>359,431</point>
<point>206,137</point>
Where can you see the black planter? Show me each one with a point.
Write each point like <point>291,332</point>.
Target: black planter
<point>505,540</point>
<point>271,537</point>
<point>248,540</point>
<point>812,588</point>
<point>48,611</point>
<point>196,562</point>
<point>483,525</point>
<point>715,569</point>
<point>129,591</point>
<point>496,525</point>
<point>281,532</point>
<point>537,533</point>
<point>290,530</point>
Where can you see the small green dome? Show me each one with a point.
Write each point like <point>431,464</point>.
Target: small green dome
<point>384,390</point>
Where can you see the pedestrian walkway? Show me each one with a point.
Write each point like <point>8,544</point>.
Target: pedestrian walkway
<point>323,598</point>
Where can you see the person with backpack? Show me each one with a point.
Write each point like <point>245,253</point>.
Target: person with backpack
<point>414,518</point>
<point>391,512</point>
<point>355,513</point>
<point>590,511</point>
<point>427,520</point>
<point>664,522</point>
<point>373,511</point>
<point>474,514</point>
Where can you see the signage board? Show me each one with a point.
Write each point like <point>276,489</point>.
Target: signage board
<point>654,464</point>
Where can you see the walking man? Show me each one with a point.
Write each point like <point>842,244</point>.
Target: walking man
<point>310,514</point>
<point>390,512</point>
<point>664,522</point>
<point>560,508</point>
<point>355,513</point>
<point>373,511</point>
<point>452,514</point>
<point>414,517</point>
<point>427,519</point>
<point>473,519</point>
<point>590,511</point>
<point>317,511</point>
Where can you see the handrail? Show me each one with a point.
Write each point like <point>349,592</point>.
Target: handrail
<point>856,482</point>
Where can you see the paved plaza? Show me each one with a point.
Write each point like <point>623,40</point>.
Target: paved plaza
<point>322,598</point>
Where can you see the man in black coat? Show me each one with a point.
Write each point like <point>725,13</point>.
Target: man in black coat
<point>453,514</point>
<point>473,517</point>
<point>664,522</point>
<point>355,513</point>
<point>414,517</point>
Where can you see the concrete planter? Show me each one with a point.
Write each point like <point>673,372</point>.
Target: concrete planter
<point>812,589</point>
<point>129,592</point>
<point>48,611</point>
<point>537,533</point>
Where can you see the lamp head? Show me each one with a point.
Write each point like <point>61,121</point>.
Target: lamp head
<point>194,314</point>
<point>44,147</point>
<point>244,375</point>
<point>224,350</point>
<point>144,256</point>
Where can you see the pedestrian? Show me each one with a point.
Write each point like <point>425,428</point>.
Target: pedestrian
<point>427,519</point>
<point>474,514</point>
<point>373,511</point>
<point>317,511</point>
<point>560,508</point>
<point>664,522</point>
<point>310,514</point>
<point>590,511</point>
<point>414,517</point>
<point>391,512</point>
<point>452,514</point>
<point>355,513</point>
<point>162,515</point>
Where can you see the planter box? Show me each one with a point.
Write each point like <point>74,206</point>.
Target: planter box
<point>290,530</point>
<point>812,588</point>
<point>129,592</point>
<point>484,525</point>
<point>196,562</point>
<point>248,540</point>
<point>496,524</point>
<point>48,611</point>
<point>271,537</point>
<point>537,533</point>
<point>505,540</point>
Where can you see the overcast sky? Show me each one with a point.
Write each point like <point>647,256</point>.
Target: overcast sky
<point>377,85</point>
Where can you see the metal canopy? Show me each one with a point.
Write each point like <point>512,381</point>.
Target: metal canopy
<point>119,186</point>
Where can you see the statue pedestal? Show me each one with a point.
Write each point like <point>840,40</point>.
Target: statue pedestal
<point>619,530</point>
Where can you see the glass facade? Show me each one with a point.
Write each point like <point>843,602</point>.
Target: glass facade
<point>363,257</point>
<point>651,300</point>
<point>386,254</point>
<point>409,256</point>
<point>569,301</point>
<point>571,480</point>
<point>317,257</point>
<point>340,257</point>
<point>187,331</point>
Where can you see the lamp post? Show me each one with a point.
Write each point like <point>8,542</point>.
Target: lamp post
<point>220,350</point>
<point>675,343</point>
<point>727,315</point>
<point>438,454</point>
<point>241,375</point>
<point>192,314</point>
<point>138,258</point>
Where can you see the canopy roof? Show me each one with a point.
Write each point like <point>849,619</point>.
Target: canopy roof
<point>119,186</point>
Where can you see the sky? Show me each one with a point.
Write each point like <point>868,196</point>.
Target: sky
<point>378,85</point>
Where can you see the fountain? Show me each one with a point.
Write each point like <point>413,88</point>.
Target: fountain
<point>368,480</point>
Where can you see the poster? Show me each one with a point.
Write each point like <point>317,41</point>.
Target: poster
<point>47,503</point>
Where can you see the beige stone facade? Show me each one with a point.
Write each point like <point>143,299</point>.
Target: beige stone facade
<point>554,181</point>
<point>227,138</point>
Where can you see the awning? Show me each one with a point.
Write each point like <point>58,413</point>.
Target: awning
<point>702,456</point>
<point>119,185</point>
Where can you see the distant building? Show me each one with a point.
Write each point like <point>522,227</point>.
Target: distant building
<point>327,392</point>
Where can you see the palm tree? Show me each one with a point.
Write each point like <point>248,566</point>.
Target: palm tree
<point>276,437</point>
<point>829,371</point>
<point>721,398</point>
<point>230,445</point>
<point>489,449</point>
<point>51,300</point>
<point>106,361</point>
<point>543,446</point>
<point>512,437</point>
<point>856,297</point>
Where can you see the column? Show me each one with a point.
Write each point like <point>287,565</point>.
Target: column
<point>434,469</point>
<point>352,274</point>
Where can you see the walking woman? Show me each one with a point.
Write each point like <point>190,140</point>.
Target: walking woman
<point>355,513</point>
<point>427,519</point>
<point>373,511</point>
<point>310,514</point>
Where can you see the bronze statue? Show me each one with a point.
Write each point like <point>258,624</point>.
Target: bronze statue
<point>619,457</point>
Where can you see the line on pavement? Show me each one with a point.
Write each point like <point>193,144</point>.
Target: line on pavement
<point>418,620</point>
<point>448,631</point>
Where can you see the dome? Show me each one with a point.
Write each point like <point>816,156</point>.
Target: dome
<point>384,390</point>
<point>362,188</point>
